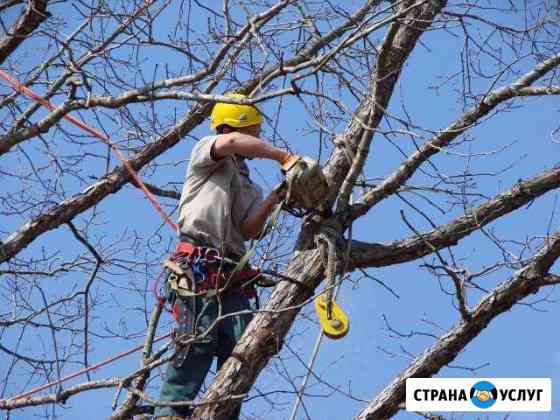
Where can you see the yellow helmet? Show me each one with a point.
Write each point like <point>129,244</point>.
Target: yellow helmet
<point>235,115</point>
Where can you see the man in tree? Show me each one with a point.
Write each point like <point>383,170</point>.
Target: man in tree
<point>220,208</point>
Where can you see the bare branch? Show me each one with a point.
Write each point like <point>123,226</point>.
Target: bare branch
<point>529,280</point>
<point>30,19</point>
<point>396,180</point>
<point>378,255</point>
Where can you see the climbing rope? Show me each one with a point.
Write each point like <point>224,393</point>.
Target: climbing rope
<point>16,84</point>
<point>85,370</point>
<point>328,253</point>
<point>322,237</point>
<point>331,316</point>
<point>137,182</point>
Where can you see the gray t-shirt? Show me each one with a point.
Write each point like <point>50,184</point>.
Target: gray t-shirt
<point>217,197</point>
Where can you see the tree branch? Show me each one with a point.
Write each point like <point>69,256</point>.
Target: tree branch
<point>109,184</point>
<point>379,255</point>
<point>35,14</point>
<point>393,182</point>
<point>397,46</point>
<point>526,281</point>
<point>59,397</point>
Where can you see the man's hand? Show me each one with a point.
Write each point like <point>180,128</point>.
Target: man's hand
<point>288,162</point>
<point>252,226</point>
<point>307,185</point>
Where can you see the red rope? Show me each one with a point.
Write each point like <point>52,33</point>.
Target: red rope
<point>88,369</point>
<point>138,182</point>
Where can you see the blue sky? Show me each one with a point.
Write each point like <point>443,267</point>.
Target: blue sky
<point>520,343</point>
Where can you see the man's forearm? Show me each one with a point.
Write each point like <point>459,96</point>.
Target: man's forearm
<point>247,146</point>
<point>254,224</point>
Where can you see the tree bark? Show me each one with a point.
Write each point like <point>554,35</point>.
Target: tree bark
<point>526,281</point>
<point>35,14</point>
<point>364,255</point>
<point>252,353</point>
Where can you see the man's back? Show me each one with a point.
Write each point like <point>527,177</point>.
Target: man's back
<point>217,197</point>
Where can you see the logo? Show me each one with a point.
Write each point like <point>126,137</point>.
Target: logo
<point>483,394</point>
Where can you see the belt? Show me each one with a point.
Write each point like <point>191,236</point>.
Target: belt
<point>201,271</point>
<point>193,251</point>
<point>185,238</point>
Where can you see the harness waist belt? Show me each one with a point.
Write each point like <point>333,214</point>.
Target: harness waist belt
<point>203,270</point>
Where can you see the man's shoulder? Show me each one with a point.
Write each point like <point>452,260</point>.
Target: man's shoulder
<point>201,155</point>
<point>208,138</point>
<point>204,142</point>
<point>204,149</point>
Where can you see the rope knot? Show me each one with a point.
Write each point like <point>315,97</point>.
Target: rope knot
<point>326,240</point>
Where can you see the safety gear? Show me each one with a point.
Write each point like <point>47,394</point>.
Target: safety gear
<point>235,115</point>
<point>335,325</point>
<point>200,272</point>
<point>288,161</point>
<point>307,186</point>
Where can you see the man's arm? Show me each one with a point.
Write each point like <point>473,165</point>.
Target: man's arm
<point>248,146</point>
<point>242,144</point>
<point>254,224</point>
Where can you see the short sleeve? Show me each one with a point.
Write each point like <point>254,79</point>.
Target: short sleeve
<point>201,156</point>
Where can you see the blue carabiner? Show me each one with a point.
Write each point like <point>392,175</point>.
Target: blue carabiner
<point>199,270</point>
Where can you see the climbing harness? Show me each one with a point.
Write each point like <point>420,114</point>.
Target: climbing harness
<point>333,319</point>
<point>200,272</point>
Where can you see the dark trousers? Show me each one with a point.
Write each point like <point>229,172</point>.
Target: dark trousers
<point>185,382</point>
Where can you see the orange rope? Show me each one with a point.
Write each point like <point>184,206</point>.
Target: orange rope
<point>138,182</point>
<point>85,370</point>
